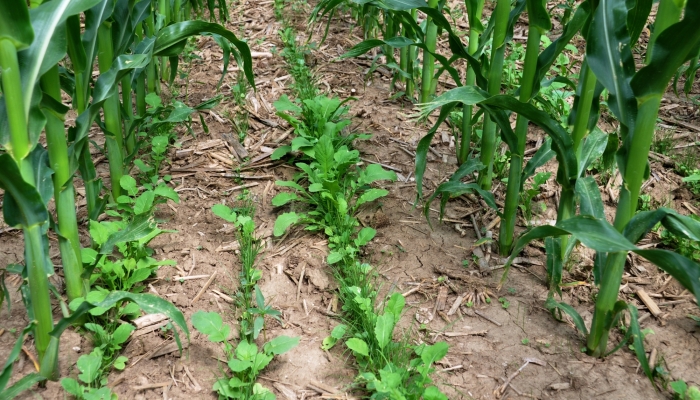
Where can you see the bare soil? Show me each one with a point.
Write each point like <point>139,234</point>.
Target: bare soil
<point>488,343</point>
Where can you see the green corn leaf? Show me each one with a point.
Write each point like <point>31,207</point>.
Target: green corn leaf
<point>25,383</point>
<point>23,205</point>
<point>471,95</point>
<point>451,189</point>
<point>281,344</point>
<point>468,167</point>
<point>12,357</point>
<point>400,42</point>
<point>592,149</point>
<point>555,308</point>
<point>669,53</point>
<point>637,15</point>
<point>540,158</point>
<point>538,16</point>
<point>49,46</point>
<point>550,54</point>
<point>589,197</point>
<point>402,5</point>
<point>552,247</point>
<point>609,55</point>
<point>15,25</point>
<point>172,37</point>
<point>687,272</point>
<point>678,224</point>
<point>474,20</point>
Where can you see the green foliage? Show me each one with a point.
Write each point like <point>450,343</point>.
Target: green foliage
<point>686,247</point>
<point>335,189</point>
<point>683,392</point>
<point>393,381</point>
<point>133,204</point>
<point>92,388</point>
<point>526,196</point>
<point>504,302</point>
<point>312,119</point>
<point>304,82</point>
<point>245,361</point>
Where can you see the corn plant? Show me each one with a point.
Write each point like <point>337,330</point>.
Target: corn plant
<point>634,99</point>
<point>33,44</point>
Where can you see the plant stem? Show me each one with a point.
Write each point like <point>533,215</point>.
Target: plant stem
<point>597,342</point>
<point>114,140</point>
<point>38,287</point>
<point>141,95</point>
<point>19,150</point>
<point>470,80</point>
<point>583,112</point>
<point>16,114</point>
<point>488,137</point>
<point>410,83</point>
<point>127,101</point>
<point>64,192</point>
<point>428,59</point>
<point>507,229</point>
<point>667,14</point>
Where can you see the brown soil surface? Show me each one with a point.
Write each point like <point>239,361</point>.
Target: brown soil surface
<point>485,349</point>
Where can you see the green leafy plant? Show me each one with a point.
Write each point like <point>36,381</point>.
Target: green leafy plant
<point>91,388</point>
<point>316,117</point>
<point>685,247</point>
<point>245,360</point>
<point>504,302</point>
<point>528,195</point>
<point>684,392</point>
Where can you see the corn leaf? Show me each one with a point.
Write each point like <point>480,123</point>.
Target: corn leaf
<point>609,55</point>
<point>15,25</point>
<point>23,204</point>
<point>637,15</point>
<point>669,53</point>
<point>170,39</point>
